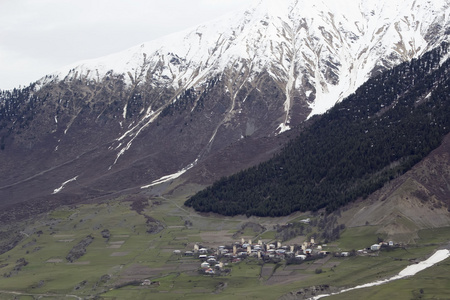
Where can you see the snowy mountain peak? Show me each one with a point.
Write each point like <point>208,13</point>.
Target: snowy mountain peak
<point>318,51</point>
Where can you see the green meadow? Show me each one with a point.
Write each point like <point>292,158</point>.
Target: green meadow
<point>113,265</point>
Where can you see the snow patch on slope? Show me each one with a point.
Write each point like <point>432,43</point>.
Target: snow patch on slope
<point>171,176</point>
<point>55,191</point>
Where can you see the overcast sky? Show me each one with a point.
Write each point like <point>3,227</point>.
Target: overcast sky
<point>38,37</point>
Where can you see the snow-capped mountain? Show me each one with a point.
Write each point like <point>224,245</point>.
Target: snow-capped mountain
<point>318,51</point>
<point>215,98</point>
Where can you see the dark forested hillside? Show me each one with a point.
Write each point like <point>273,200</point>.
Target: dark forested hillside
<point>378,133</point>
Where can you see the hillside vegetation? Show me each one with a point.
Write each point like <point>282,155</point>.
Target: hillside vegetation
<point>388,125</point>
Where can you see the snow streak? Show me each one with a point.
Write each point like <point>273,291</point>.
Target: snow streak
<point>411,270</point>
<point>55,191</point>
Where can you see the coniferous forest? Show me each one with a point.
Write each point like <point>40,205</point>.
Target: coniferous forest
<point>387,126</point>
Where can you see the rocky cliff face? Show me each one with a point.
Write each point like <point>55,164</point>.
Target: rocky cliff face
<point>184,103</point>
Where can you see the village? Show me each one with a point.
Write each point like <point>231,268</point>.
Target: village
<point>213,261</point>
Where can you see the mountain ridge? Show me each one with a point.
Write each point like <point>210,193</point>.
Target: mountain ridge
<point>271,32</point>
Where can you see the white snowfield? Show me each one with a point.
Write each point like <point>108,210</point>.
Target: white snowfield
<point>411,270</point>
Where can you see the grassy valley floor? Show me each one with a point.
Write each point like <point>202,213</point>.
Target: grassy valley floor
<point>107,250</point>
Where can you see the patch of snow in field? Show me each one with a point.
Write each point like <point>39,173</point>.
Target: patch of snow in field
<point>411,270</point>
<point>439,256</point>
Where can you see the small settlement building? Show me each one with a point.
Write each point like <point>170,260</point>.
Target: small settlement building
<point>375,247</point>
<point>205,265</point>
<point>146,282</point>
<point>300,256</point>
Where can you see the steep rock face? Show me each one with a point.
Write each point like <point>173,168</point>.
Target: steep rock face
<point>155,111</point>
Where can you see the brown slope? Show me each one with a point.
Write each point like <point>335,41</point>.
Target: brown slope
<point>77,130</point>
<point>417,200</point>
